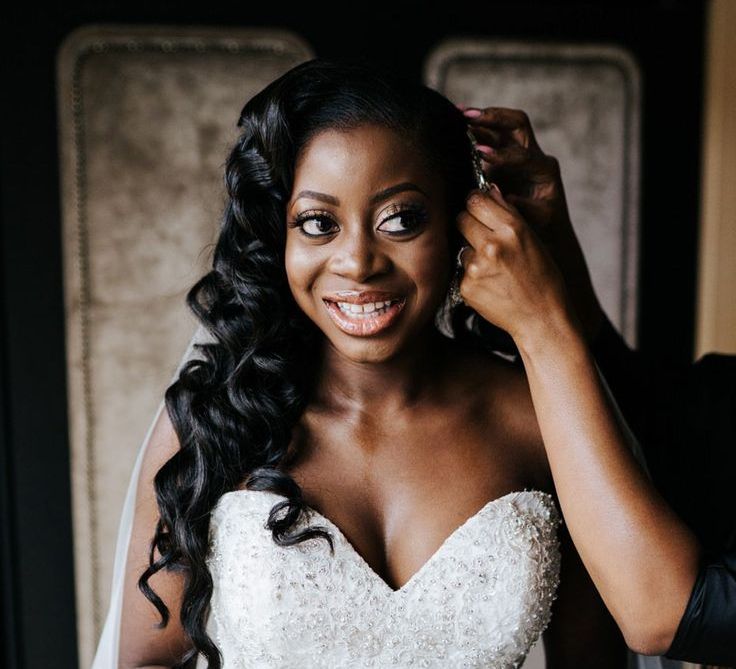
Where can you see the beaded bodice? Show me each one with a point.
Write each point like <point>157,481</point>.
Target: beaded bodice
<point>481,600</point>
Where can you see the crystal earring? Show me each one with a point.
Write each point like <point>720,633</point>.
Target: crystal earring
<point>454,291</point>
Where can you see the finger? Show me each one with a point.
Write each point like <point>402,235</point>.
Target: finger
<point>533,210</point>
<point>476,233</point>
<point>500,117</point>
<point>512,212</point>
<point>470,263</point>
<point>468,256</point>
<point>509,156</point>
<point>488,136</point>
<point>487,153</point>
<point>489,208</point>
<point>495,137</point>
<point>514,121</point>
<point>506,138</point>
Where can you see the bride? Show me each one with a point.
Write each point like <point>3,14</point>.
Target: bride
<point>346,472</point>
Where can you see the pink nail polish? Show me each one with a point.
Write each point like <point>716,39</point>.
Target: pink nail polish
<point>472,112</point>
<point>485,149</point>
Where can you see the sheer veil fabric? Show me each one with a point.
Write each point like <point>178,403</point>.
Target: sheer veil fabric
<point>106,656</point>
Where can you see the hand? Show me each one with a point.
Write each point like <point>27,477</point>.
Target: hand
<point>532,183</point>
<point>509,277</point>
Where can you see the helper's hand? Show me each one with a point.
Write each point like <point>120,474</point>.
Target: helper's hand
<point>509,276</point>
<point>531,181</point>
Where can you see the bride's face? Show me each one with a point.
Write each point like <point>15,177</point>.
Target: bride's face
<point>367,216</point>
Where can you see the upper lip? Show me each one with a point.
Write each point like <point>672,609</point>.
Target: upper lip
<point>358,297</point>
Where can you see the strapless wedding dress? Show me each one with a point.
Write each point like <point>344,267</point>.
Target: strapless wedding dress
<point>481,600</point>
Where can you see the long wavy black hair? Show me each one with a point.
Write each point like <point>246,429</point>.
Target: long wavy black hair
<point>234,407</point>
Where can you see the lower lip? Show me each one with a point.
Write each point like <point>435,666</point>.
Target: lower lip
<point>366,325</point>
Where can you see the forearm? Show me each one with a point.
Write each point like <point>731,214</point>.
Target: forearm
<point>641,557</point>
<point>633,379</point>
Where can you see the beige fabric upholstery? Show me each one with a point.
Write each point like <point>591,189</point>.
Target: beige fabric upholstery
<point>584,103</point>
<point>146,118</point>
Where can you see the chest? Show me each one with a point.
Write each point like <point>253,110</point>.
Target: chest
<point>397,488</point>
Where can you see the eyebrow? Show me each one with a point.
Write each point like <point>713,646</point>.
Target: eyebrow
<point>378,197</point>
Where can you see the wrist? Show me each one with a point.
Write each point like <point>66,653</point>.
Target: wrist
<point>558,331</point>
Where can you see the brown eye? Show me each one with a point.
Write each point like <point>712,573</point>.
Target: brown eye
<point>403,222</point>
<point>313,225</point>
<point>316,226</point>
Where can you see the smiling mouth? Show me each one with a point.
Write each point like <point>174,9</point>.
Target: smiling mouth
<point>367,319</point>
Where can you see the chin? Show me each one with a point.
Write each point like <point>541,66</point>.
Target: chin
<point>366,352</point>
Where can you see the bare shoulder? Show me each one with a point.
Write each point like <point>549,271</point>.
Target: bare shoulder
<point>501,384</point>
<point>502,387</point>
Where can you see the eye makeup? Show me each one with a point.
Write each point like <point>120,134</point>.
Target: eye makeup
<point>317,215</point>
<point>411,215</point>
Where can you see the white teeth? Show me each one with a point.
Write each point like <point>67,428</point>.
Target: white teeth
<point>358,310</point>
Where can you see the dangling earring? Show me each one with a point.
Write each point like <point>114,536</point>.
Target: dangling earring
<point>443,315</point>
<point>480,176</point>
<point>454,291</point>
<point>453,298</point>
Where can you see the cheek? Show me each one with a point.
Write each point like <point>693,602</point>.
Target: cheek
<point>301,266</point>
<point>430,265</point>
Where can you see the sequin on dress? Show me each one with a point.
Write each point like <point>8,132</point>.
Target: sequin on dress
<point>481,600</point>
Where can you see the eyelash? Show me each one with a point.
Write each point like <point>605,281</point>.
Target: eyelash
<point>417,214</point>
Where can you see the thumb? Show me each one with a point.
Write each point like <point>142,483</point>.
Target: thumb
<point>497,196</point>
<point>535,211</point>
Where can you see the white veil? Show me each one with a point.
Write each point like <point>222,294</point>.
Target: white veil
<point>106,656</point>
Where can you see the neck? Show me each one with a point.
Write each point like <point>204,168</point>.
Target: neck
<point>400,382</point>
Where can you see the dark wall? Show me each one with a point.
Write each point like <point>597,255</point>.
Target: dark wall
<point>38,628</point>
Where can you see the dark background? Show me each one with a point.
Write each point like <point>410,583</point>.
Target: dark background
<point>37,627</point>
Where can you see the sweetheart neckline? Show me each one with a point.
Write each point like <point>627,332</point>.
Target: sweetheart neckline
<point>432,558</point>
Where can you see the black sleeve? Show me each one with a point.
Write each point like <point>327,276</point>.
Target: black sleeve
<point>707,631</point>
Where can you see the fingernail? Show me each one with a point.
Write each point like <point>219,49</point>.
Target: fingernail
<point>496,188</point>
<point>473,197</point>
<point>485,149</point>
<point>472,112</point>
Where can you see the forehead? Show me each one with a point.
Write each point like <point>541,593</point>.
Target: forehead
<point>366,157</point>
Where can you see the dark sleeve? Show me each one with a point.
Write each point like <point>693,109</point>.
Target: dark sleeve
<point>707,631</point>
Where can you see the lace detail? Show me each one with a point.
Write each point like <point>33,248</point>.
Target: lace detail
<point>481,600</point>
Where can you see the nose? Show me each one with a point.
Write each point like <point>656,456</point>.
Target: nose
<point>359,256</point>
